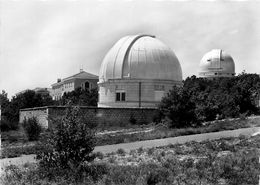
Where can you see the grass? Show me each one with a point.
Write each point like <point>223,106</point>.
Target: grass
<point>19,147</point>
<point>229,161</point>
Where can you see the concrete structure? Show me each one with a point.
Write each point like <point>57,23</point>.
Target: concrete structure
<point>82,80</point>
<point>216,63</point>
<point>137,72</point>
<point>103,117</point>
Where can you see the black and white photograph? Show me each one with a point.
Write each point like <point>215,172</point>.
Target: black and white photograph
<point>130,92</point>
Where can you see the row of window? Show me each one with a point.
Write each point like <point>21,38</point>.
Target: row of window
<point>68,85</point>
<point>156,87</point>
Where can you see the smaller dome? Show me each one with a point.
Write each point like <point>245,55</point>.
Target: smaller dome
<point>217,63</point>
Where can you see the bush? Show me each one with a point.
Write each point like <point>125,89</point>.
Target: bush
<point>121,151</point>
<point>8,125</point>
<point>132,120</point>
<point>178,108</point>
<point>32,128</point>
<point>69,145</point>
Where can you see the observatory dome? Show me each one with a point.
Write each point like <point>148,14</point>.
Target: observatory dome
<point>217,63</point>
<point>140,57</point>
<point>137,72</point>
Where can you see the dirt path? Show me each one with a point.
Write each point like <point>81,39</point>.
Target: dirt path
<point>147,144</point>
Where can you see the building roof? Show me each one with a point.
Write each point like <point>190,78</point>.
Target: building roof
<point>140,57</point>
<point>217,60</point>
<point>80,75</point>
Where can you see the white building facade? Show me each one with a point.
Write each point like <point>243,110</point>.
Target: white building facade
<point>83,80</point>
<point>137,72</point>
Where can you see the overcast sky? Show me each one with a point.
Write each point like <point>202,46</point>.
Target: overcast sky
<point>41,41</point>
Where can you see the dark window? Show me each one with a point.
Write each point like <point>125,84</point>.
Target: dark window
<point>120,96</point>
<point>86,85</point>
<point>117,96</point>
<point>123,96</point>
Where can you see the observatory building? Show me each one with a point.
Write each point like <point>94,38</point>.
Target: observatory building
<point>216,63</point>
<point>137,72</point>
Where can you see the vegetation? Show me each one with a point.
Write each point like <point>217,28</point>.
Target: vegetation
<point>69,145</point>
<point>32,128</point>
<point>80,97</point>
<point>229,161</point>
<point>19,147</point>
<point>29,99</point>
<point>201,100</point>
<point>10,109</point>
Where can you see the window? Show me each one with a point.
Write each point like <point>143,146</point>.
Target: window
<point>159,87</point>
<point>120,96</point>
<point>86,85</point>
<point>123,96</point>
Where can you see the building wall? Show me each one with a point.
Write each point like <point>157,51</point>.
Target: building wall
<point>92,82</point>
<point>151,92</point>
<point>96,115</point>
<point>71,85</point>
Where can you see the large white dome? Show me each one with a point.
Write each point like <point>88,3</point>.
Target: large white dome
<point>217,63</point>
<point>140,57</point>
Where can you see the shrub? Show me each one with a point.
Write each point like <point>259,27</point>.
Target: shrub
<point>150,151</point>
<point>121,151</point>
<point>70,145</point>
<point>8,125</point>
<point>140,150</point>
<point>99,155</point>
<point>178,108</point>
<point>132,119</point>
<point>32,128</point>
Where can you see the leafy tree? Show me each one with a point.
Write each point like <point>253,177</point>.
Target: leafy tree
<point>178,107</point>
<point>70,144</point>
<point>202,99</point>
<point>4,102</point>
<point>28,99</point>
<point>80,97</point>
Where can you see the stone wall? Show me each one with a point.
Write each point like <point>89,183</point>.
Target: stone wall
<point>41,113</point>
<point>104,117</point>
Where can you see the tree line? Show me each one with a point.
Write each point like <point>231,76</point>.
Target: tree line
<point>197,101</point>
<point>29,99</point>
<point>201,99</point>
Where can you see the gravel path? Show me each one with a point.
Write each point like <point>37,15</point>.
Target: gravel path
<point>147,144</point>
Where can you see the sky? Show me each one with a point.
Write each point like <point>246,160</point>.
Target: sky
<point>42,40</point>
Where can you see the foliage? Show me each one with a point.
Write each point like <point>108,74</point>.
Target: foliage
<point>124,137</point>
<point>27,99</point>
<point>201,99</point>
<point>32,128</point>
<point>132,119</point>
<point>205,163</point>
<point>4,101</point>
<point>121,151</point>
<point>6,125</point>
<point>69,145</point>
<point>80,97</point>
<point>179,108</point>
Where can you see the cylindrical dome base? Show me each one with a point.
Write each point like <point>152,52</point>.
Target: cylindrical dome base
<point>133,93</point>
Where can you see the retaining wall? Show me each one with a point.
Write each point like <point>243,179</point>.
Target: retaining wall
<point>107,117</point>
